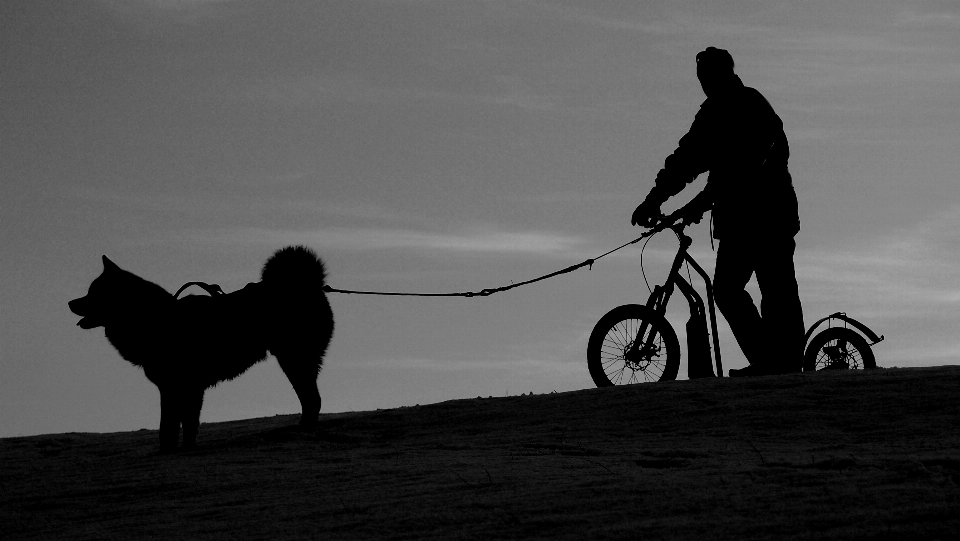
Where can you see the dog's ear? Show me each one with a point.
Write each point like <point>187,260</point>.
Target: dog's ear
<point>109,265</point>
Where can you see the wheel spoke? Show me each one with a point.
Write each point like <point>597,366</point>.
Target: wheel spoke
<point>612,363</point>
<point>616,337</point>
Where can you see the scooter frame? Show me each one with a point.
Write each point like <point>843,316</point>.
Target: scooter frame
<point>661,296</point>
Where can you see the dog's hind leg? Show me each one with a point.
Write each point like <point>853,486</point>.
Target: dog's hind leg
<point>303,373</point>
<point>179,406</point>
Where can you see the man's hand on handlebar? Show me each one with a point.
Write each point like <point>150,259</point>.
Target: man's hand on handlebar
<point>683,216</point>
<point>646,215</point>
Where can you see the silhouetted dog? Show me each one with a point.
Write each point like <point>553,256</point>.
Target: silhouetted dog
<point>186,346</point>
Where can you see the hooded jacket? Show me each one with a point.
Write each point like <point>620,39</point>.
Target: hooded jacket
<point>739,139</point>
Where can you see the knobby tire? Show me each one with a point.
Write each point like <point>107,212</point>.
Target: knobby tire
<point>614,334</point>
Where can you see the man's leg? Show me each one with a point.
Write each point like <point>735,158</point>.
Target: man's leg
<point>780,305</point>
<point>735,265</point>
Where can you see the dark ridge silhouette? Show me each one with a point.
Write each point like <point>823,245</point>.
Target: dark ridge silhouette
<point>853,454</point>
<point>739,139</point>
<point>188,345</point>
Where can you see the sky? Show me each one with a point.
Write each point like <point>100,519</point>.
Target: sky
<point>442,146</point>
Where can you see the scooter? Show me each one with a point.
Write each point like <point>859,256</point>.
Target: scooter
<point>635,343</point>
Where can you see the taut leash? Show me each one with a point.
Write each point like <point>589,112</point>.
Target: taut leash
<point>490,291</point>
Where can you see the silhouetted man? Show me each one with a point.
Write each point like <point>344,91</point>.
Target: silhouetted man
<point>739,139</point>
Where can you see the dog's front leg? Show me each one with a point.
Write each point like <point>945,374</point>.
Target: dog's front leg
<point>192,404</point>
<point>169,420</point>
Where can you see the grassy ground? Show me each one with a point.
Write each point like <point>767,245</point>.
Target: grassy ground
<point>865,455</point>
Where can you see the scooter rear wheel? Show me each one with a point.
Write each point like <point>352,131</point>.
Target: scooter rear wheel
<point>610,354</point>
<point>838,348</point>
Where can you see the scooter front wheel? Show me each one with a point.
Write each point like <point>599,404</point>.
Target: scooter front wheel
<point>632,344</point>
<point>838,348</point>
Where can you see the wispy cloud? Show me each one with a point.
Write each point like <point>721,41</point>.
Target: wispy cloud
<point>478,240</point>
<point>942,15</point>
<point>913,272</point>
<point>202,205</point>
<point>352,87</point>
<point>585,15</point>
<point>150,15</point>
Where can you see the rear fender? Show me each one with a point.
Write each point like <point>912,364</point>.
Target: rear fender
<point>869,334</point>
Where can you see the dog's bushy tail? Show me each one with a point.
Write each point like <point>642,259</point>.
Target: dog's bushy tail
<point>294,266</point>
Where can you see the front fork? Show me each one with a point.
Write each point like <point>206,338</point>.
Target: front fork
<point>640,350</point>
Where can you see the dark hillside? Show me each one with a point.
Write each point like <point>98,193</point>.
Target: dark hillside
<point>866,455</point>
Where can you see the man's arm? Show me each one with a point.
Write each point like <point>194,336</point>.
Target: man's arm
<point>689,160</point>
<point>699,205</point>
